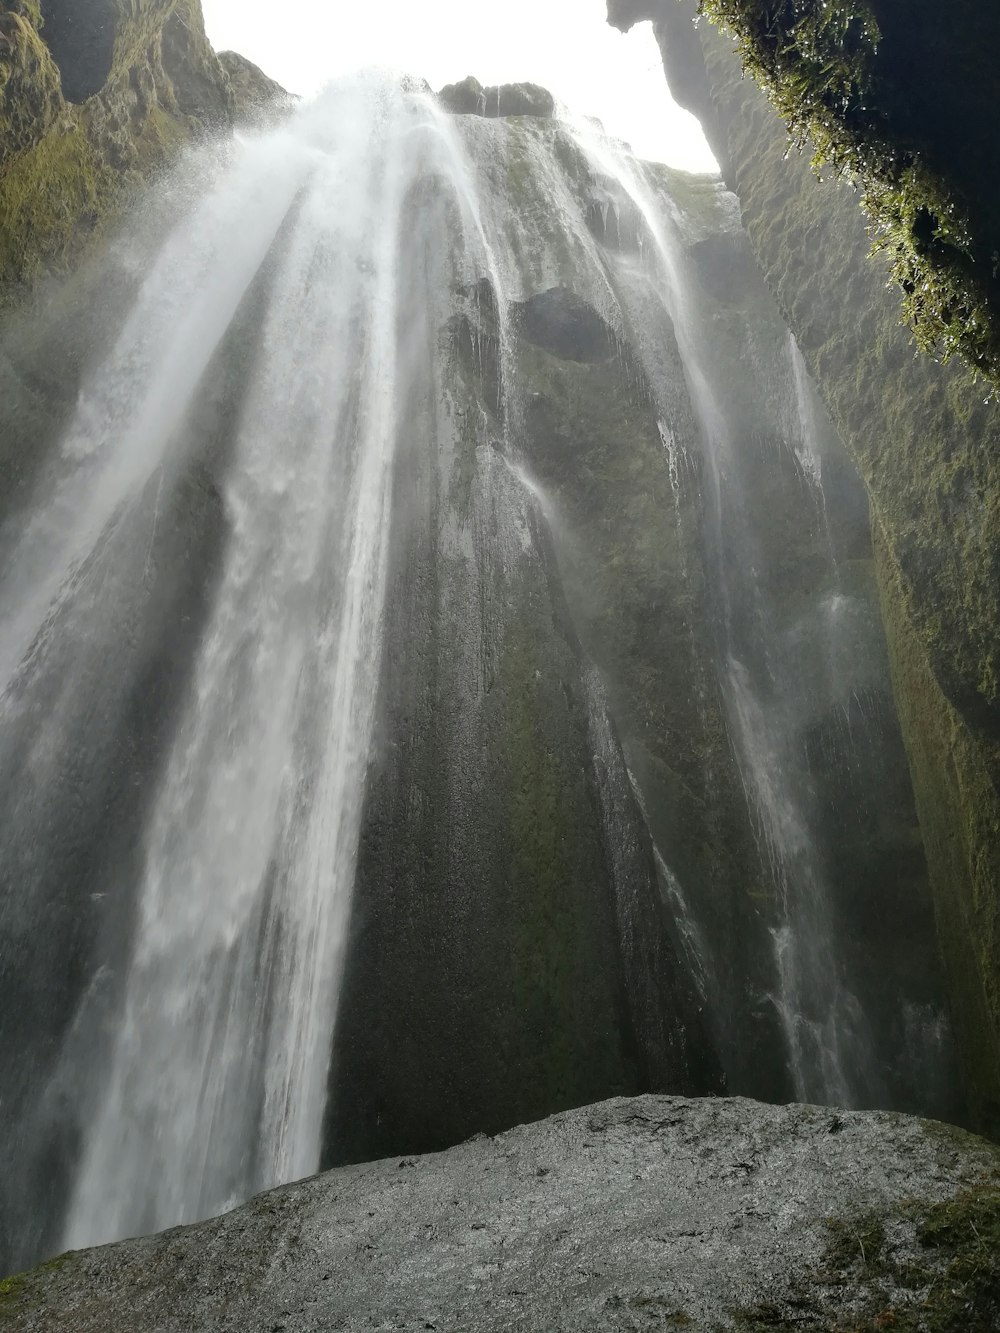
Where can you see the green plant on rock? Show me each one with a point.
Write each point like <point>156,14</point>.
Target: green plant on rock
<point>912,1267</point>
<point>817,62</point>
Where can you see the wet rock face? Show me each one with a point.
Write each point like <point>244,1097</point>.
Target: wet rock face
<point>252,90</point>
<point>470,98</point>
<point>509,954</point>
<point>633,1214</point>
<point>927,446</point>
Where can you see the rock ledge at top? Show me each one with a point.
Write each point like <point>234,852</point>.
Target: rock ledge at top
<point>652,1212</point>
<point>470,98</point>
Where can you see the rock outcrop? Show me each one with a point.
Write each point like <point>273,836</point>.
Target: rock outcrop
<point>470,98</point>
<point>652,1213</point>
<point>95,96</point>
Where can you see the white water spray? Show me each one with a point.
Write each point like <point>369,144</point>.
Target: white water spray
<point>218,1070</point>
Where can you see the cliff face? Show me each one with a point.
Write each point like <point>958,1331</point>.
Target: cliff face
<point>94,97</point>
<point>624,776</point>
<point>681,544</point>
<point>927,446</point>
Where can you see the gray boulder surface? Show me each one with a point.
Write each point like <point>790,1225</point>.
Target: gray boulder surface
<point>634,1214</point>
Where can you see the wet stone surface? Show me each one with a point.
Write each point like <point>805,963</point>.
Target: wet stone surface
<point>653,1212</point>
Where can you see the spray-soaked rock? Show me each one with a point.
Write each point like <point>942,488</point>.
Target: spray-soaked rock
<point>559,322</point>
<point>470,98</point>
<point>651,1213</point>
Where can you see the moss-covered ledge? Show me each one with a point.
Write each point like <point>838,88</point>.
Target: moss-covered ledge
<point>68,167</point>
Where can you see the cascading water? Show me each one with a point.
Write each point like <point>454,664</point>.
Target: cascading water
<point>215,1081</point>
<point>768,684</point>
<point>373,634</point>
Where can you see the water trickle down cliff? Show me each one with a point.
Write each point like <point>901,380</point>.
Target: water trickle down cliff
<point>438,632</point>
<point>923,435</point>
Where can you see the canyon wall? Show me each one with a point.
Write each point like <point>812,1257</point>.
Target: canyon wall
<point>925,438</point>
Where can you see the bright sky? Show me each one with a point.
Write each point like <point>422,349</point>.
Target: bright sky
<point>566,45</point>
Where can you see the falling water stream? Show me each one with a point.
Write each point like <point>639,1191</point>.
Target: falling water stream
<point>828,1046</point>
<point>216,1078</point>
<point>196,1068</point>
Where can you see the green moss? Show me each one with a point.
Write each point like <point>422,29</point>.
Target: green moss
<point>30,97</point>
<point>70,171</point>
<point>856,1242</point>
<point>820,65</point>
<point>24,1293</point>
<point>54,194</point>
<point>62,194</point>
<point>952,1282</point>
<point>959,810</point>
<point>916,1266</point>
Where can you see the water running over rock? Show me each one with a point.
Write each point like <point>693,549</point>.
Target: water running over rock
<point>442,683</point>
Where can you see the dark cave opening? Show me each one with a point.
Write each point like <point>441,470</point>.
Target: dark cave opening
<point>81,36</point>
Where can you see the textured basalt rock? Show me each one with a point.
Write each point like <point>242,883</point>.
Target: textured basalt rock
<point>509,953</point>
<point>487,978</point>
<point>652,1213</point>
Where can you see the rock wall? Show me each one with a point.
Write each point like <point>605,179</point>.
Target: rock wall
<point>562,859</point>
<point>95,95</point>
<point>509,951</point>
<point>926,443</point>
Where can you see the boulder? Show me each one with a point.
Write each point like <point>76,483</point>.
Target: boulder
<point>645,1213</point>
<point>470,98</point>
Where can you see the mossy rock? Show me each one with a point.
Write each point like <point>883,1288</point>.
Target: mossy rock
<point>30,94</point>
<point>506,99</point>
<point>87,121</point>
<point>922,152</point>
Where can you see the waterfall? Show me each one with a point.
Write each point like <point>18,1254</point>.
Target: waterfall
<point>216,1078</point>
<point>408,723</point>
<point>826,1029</point>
